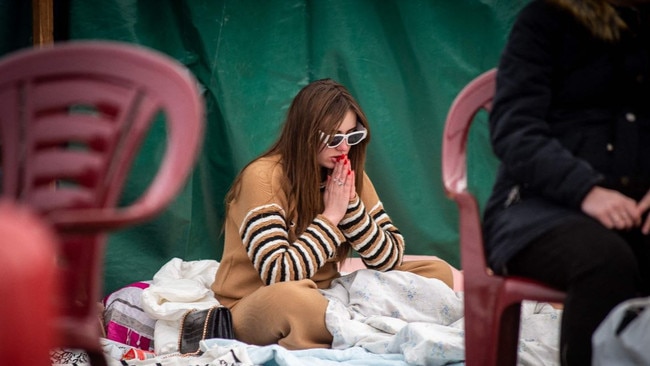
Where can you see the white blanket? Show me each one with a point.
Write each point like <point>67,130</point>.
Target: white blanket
<point>422,318</point>
<point>394,317</point>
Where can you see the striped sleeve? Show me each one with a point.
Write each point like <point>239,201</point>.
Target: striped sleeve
<point>373,235</point>
<point>265,236</point>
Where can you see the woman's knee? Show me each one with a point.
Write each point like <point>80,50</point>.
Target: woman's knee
<point>437,269</point>
<point>289,313</point>
<point>297,293</point>
<point>285,297</point>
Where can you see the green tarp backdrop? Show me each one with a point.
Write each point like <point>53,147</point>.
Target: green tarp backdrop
<point>404,60</point>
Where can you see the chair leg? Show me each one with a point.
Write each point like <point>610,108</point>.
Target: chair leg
<point>509,335</point>
<point>481,328</point>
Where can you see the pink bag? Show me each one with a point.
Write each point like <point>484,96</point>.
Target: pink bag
<point>125,320</point>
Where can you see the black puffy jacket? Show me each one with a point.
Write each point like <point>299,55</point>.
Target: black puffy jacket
<point>571,111</point>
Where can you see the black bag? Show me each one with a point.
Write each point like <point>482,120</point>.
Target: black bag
<point>196,325</point>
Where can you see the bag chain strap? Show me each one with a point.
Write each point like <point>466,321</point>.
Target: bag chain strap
<point>205,330</point>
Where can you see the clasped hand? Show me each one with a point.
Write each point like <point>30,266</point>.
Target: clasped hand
<point>615,210</point>
<point>339,190</point>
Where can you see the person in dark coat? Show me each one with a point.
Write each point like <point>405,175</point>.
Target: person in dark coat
<point>570,125</point>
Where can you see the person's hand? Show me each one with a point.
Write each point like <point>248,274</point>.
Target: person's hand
<point>643,207</point>
<point>612,209</point>
<point>339,190</point>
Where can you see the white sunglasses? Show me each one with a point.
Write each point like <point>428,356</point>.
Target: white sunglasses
<point>351,138</point>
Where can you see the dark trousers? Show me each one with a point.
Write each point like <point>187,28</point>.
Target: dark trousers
<point>597,267</point>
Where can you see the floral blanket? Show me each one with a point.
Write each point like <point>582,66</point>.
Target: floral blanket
<point>422,319</point>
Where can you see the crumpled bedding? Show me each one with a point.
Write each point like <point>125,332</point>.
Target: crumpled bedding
<point>393,318</point>
<point>422,319</point>
<point>177,287</point>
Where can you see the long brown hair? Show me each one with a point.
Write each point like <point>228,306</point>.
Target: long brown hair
<point>319,106</point>
<point>600,17</point>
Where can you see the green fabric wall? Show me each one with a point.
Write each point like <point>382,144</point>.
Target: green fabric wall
<point>404,60</point>
<point>15,25</point>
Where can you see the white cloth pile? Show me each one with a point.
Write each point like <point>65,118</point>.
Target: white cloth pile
<point>422,318</point>
<point>177,287</point>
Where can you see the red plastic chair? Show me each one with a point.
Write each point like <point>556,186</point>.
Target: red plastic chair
<point>73,118</point>
<point>28,284</point>
<point>492,303</point>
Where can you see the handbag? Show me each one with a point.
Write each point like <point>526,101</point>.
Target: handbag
<point>197,325</point>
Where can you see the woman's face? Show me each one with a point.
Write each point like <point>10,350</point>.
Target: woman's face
<point>327,156</point>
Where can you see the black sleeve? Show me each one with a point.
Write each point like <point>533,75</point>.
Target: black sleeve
<point>519,131</point>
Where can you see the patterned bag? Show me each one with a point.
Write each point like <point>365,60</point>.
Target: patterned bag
<point>125,320</point>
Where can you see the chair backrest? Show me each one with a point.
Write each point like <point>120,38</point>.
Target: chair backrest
<point>475,96</point>
<point>73,118</point>
<point>75,113</point>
